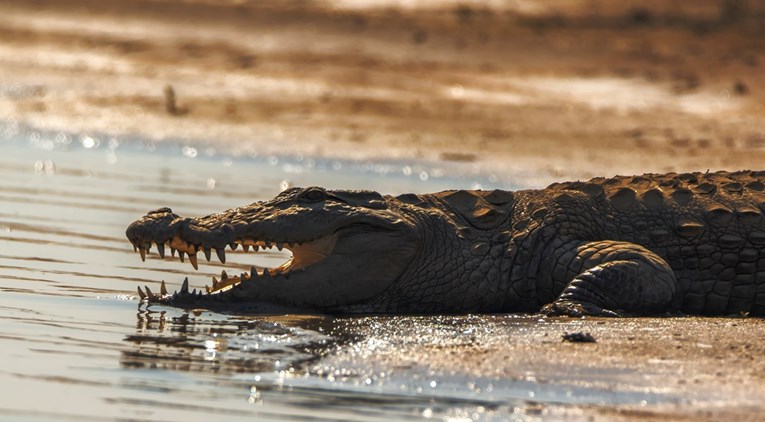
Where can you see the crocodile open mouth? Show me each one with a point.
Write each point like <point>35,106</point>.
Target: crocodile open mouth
<point>304,255</point>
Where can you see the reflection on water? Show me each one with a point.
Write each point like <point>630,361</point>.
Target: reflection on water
<point>231,345</point>
<point>356,366</point>
<point>76,345</point>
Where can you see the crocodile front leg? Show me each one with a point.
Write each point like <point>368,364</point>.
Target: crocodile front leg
<point>611,279</point>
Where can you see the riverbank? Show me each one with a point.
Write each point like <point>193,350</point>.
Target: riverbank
<point>536,92</point>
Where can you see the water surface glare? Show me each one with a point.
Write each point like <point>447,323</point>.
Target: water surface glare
<point>76,345</point>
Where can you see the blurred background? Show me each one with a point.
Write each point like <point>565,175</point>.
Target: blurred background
<point>533,90</point>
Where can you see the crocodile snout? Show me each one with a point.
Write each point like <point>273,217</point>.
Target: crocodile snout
<point>163,210</point>
<point>156,226</point>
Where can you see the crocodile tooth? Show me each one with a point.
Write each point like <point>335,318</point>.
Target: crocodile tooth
<point>161,250</point>
<point>193,292</point>
<point>256,248</point>
<point>180,256</point>
<point>215,283</point>
<point>268,244</point>
<point>233,246</point>
<point>221,254</point>
<point>185,285</point>
<point>141,293</point>
<point>208,253</point>
<point>193,260</point>
<point>149,293</point>
<point>163,288</point>
<point>266,273</point>
<point>246,247</point>
<point>207,289</point>
<point>142,251</point>
<point>223,275</point>
<point>253,272</point>
<point>172,252</point>
<point>280,246</point>
<point>135,248</point>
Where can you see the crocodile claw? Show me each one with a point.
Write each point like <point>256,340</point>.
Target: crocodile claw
<point>568,308</point>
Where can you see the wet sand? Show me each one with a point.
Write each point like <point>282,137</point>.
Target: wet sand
<point>542,94</point>
<point>713,367</point>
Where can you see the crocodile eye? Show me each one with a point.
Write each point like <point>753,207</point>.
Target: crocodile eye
<point>313,195</point>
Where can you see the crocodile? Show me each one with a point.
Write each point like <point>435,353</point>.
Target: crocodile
<point>655,244</point>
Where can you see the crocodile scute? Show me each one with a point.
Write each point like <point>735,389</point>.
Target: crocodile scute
<point>654,244</point>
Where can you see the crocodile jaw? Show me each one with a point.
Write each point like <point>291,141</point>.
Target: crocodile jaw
<point>354,263</point>
<point>304,255</point>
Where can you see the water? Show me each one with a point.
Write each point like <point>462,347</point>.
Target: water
<point>77,345</point>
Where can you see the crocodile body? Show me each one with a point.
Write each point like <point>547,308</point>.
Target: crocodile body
<point>656,244</point>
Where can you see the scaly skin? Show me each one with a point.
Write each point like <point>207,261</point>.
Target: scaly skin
<point>651,244</point>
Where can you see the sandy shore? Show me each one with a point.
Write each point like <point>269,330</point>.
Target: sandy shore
<point>703,368</point>
<point>529,91</point>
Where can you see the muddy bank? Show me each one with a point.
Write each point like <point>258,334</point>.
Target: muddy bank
<point>539,92</point>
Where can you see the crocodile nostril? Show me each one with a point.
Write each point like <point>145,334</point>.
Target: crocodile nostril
<point>163,210</point>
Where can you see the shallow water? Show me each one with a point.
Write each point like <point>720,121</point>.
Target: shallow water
<point>77,345</point>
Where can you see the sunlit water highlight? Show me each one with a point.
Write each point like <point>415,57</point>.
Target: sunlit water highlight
<point>76,345</point>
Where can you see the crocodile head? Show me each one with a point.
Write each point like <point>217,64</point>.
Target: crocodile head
<point>347,247</point>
